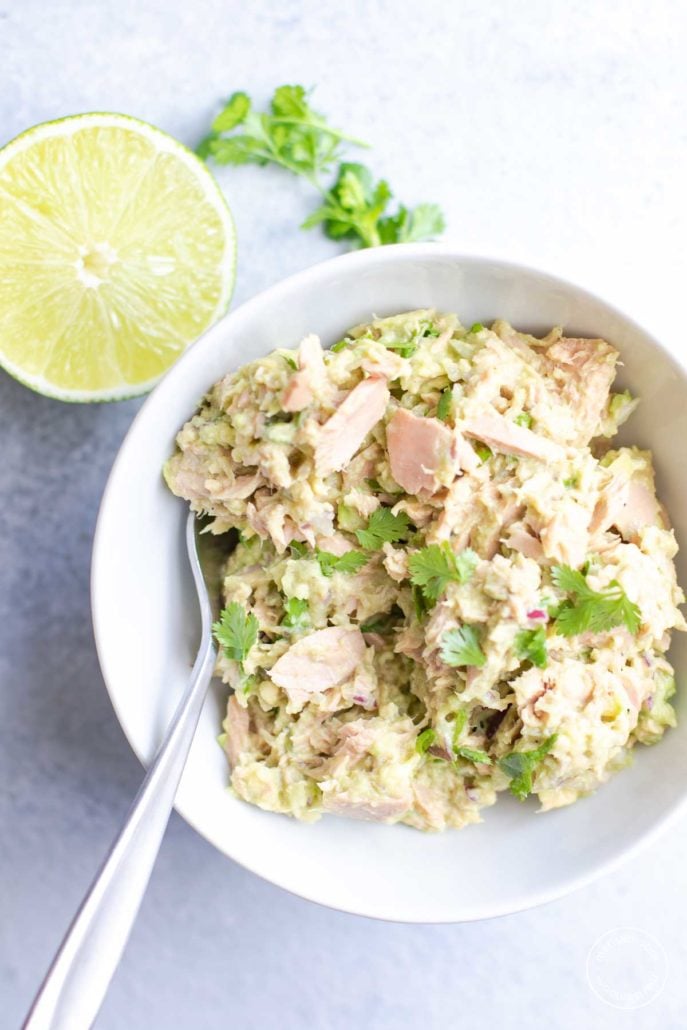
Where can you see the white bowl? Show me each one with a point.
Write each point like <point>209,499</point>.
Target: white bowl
<point>146,623</point>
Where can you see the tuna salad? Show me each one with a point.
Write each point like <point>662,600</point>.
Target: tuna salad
<point>446,583</point>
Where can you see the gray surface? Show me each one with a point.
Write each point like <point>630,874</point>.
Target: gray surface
<point>556,137</point>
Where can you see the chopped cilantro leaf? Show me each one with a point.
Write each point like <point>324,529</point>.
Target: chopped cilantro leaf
<point>519,766</point>
<point>472,755</point>
<point>444,405</point>
<point>419,604</point>
<point>461,647</point>
<point>425,740</point>
<point>351,561</point>
<point>530,644</point>
<point>236,631</point>
<point>459,724</point>
<point>383,527</point>
<point>477,327</point>
<point>434,567</point>
<point>483,452</point>
<point>524,419</point>
<point>592,611</point>
<point>404,348</point>
<point>297,613</point>
<point>298,549</point>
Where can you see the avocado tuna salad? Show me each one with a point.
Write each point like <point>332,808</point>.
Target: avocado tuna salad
<point>446,582</point>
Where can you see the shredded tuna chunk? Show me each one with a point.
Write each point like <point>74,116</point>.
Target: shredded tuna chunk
<point>319,661</point>
<point>418,447</point>
<point>238,731</point>
<point>307,380</point>
<point>502,435</point>
<point>342,435</point>
<point>629,504</point>
<point>584,370</point>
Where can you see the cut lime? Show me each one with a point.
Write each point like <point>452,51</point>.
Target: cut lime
<point>117,250</point>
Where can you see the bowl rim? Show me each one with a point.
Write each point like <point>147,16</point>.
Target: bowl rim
<point>361,259</point>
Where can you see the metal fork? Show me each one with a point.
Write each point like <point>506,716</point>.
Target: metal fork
<point>75,985</point>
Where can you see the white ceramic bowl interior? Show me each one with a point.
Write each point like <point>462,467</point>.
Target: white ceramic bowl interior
<point>146,622</point>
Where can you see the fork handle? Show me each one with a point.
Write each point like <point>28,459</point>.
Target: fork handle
<point>75,985</point>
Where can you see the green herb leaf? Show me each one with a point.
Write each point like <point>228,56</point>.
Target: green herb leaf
<point>383,527</point>
<point>425,740</point>
<point>249,683</point>
<point>410,225</point>
<point>472,755</point>
<point>483,452</point>
<point>404,348</point>
<point>353,206</point>
<point>460,647</point>
<point>236,631</point>
<point>233,113</point>
<point>419,604</point>
<point>297,613</point>
<point>340,345</point>
<point>530,644</point>
<point>519,766</point>
<point>570,580</point>
<point>434,567</point>
<point>351,561</point>
<point>459,724</point>
<point>292,135</point>
<point>444,405</point>
<point>297,138</point>
<point>524,419</point>
<point>476,328</point>
<point>592,611</point>
<point>299,549</point>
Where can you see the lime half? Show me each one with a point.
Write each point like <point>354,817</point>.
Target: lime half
<point>117,250</point>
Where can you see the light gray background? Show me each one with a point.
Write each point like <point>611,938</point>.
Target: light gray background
<point>552,133</point>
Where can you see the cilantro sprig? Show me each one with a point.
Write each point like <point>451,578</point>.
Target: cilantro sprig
<point>461,647</point>
<point>520,765</point>
<point>383,527</point>
<point>236,631</point>
<point>592,611</point>
<point>434,567</point>
<point>292,135</point>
